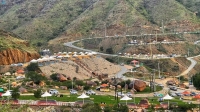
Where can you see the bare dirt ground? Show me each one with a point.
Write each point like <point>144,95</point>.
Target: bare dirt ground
<point>83,69</point>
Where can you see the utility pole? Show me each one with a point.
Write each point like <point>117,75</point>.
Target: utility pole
<point>9,84</point>
<point>159,70</point>
<point>154,86</point>
<point>151,49</point>
<point>105,30</point>
<point>163,27</point>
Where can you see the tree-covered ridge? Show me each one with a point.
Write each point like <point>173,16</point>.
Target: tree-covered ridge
<point>44,20</point>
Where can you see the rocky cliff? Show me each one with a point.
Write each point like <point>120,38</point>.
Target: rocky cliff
<point>10,56</point>
<point>15,50</point>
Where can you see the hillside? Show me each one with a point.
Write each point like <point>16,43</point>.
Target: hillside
<point>74,69</point>
<point>58,21</point>
<point>15,50</point>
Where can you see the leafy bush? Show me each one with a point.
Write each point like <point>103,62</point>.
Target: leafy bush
<point>32,67</point>
<point>37,94</point>
<point>91,108</point>
<point>196,79</point>
<point>86,87</point>
<point>109,51</point>
<point>120,108</point>
<point>35,77</point>
<point>54,77</point>
<point>15,93</point>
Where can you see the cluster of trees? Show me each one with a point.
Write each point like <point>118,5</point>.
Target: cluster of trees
<point>96,108</point>
<point>34,73</point>
<point>196,79</point>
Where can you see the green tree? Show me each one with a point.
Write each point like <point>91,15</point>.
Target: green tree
<point>107,109</point>
<point>86,87</point>
<point>196,79</point>
<point>15,93</point>
<point>109,51</point>
<point>37,93</point>
<point>35,77</point>
<point>101,48</point>
<point>54,77</point>
<point>91,107</point>
<point>120,108</point>
<point>79,82</point>
<point>32,67</point>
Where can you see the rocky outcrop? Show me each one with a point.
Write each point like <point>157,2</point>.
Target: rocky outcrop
<point>11,56</point>
<point>61,77</point>
<point>138,85</point>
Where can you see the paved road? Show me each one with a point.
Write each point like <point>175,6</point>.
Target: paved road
<point>124,70</point>
<point>193,63</point>
<point>70,44</point>
<point>121,72</point>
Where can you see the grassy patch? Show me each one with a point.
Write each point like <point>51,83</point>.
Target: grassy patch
<point>98,99</point>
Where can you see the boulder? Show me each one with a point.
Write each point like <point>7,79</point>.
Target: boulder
<point>171,82</point>
<point>22,90</point>
<point>63,87</point>
<point>91,83</point>
<point>56,87</point>
<point>61,77</point>
<point>14,84</point>
<point>139,85</point>
<point>42,83</point>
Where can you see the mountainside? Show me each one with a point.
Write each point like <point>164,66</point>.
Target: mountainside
<point>14,50</point>
<point>63,20</point>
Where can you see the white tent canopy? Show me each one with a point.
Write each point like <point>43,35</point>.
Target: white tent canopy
<point>167,97</point>
<point>126,98</point>
<point>40,60</point>
<point>7,93</point>
<point>83,95</point>
<point>33,61</point>
<point>75,55</point>
<point>67,56</point>
<point>45,59</point>
<point>51,58</point>
<point>46,94</point>
<point>60,57</point>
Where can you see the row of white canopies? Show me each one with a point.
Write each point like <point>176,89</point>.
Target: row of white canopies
<point>61,55</point>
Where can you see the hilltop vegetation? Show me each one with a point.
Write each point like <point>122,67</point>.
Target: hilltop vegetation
<point>42,20</point>
<point>11,41</point>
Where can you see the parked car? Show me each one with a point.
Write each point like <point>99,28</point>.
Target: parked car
<point>121,94</point>
<point>129,94</point>
<point>20,77</point>
<point>156,94</point>
<point>178,94</point>
<point>192,94</point>
<point>98,88</point>
<point>90,92</point>
<point>53,91</point>
<point>173,94</point>
<point>173,88</point>
<point>72,91</point>
<point>161,85</point>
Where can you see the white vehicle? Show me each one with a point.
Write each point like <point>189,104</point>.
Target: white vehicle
<point>121,94</point>
<point>72,91</point>
<point>20,77</point>
<point>129,94</point>
<point>90,92</point>
<point>53,91</point>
